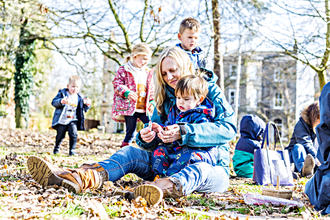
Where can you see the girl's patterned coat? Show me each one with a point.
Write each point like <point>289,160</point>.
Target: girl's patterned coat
<point>124,82</point>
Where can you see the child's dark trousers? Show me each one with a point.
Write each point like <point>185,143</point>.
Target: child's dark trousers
<point>73,134</point>
<point>130,122</point>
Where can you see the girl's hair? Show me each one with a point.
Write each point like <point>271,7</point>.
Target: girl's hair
<point>311,113</point>
<point>192,85</point>
<point>186,68</point>
<point>139,49</point>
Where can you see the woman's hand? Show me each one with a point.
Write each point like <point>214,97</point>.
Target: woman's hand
<point>132,96</point>
<point>147,135</point>
<point>171,134</point>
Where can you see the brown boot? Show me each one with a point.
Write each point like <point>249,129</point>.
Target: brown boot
<point>155,191</point>
<point>308,168</point>
<point>88,176</point>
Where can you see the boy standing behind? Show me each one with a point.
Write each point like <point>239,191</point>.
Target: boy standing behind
<point>69,113</point>
<point>189,32</point>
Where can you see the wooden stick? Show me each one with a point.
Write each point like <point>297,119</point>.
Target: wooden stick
<point>278,182</point>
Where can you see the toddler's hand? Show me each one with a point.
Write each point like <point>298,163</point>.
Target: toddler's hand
<point>156,127</point>
<point>132,96</point>
<point>147,135</point>
<point>87,101</point>
<point>64,100</point>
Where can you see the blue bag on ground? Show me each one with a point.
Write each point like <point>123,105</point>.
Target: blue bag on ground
<point>268,164</point>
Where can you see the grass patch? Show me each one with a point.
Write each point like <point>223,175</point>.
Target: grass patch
<point>202,200</point>
<point>114,210</point>
<point>194,216</point>
<point>72,210</point>
<point>246,188</point>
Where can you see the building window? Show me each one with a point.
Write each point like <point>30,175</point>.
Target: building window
<point>279,125</point>
<point>232,71</point>
<point>253,70</point>
<point>253,98</point>
<point>278,75</point>
<point>231,97</point>
<point>278,101</point>
<point>119,127</point>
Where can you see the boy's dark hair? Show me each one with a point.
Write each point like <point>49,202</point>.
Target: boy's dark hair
<point>192,85</point>
<point>190,23</point>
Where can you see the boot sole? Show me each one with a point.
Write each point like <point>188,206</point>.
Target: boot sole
<point>152,194</point>
<point>43,174</point>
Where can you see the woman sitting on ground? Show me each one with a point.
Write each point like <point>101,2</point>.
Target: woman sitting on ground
<point>173,63</point>
<point>301,147</point>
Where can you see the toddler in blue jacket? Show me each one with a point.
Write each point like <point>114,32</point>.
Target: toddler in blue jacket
<point>192,106</point>
<point>189,32</point>
<point>69,113</point>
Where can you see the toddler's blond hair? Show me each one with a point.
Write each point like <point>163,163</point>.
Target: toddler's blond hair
<point>74,78</point>
<point>139,49</point>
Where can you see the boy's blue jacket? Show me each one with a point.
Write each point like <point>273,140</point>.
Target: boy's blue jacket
<point>196,56</point>
<point>81,108</point>
<point>251,127</point>
<point>209,134</point>
<point>202,113</point>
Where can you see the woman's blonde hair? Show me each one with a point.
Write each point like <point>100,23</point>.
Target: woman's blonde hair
<point>186,68</point>
<point>139,49</point>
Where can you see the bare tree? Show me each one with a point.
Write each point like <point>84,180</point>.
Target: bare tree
<point>303,32</point>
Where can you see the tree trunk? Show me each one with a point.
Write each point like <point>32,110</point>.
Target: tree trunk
<point>218,69</point>
<point>18,117</point>
<point>322,78</point>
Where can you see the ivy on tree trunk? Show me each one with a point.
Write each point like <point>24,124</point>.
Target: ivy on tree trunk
<point>24,75</point>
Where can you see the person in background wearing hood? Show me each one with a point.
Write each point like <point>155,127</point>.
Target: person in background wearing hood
<point>301,147</point>
<point>252,129</point>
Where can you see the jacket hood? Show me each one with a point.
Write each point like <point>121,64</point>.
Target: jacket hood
<point>251,127</point>
<point>209,76</point>
<point>197,50</point>
<point>128,68</point>
<point>304,116</point>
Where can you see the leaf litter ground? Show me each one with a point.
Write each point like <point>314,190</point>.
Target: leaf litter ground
<point>22,198</point>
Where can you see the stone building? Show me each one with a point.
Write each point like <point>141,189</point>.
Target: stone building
<point>268,87</point>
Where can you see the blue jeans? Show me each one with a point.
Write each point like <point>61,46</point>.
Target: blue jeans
<point>298,155</point>
<point>130,122</point>
<point>200,176</point>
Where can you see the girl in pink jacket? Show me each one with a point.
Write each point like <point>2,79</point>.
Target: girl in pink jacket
<point>133,85</point>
